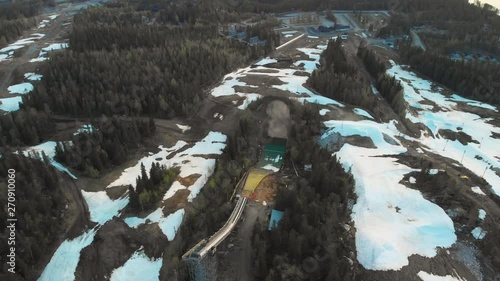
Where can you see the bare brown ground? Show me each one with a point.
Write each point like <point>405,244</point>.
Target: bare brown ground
<point>189,180</point>
<point>176,202</point>
<point>266,190</point>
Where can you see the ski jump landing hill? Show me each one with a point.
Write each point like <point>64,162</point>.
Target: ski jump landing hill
<point>271,160</point>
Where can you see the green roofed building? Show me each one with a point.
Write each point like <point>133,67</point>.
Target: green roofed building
<point>273,155</point>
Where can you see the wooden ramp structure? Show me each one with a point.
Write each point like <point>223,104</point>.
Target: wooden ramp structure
<point>200,259</point>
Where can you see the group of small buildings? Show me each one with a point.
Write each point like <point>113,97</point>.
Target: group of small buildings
<point>242,36</point>
<point>336,27</point>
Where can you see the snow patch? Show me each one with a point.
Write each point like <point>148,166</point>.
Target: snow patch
<point>433,171</point>
<point>271,168</point>
<point>33,76</point>
<point>101,207</point>
<point>188,161</point>
<point>183,128</point>
<point>431,277</point>
<point>169,225</point>
<point>86,128</point>
<point>392,221</point>
<point>323,112</point>
<point>477,190</point>
<point>62,265</point>
<point>481,158</point>
<point>138,267</point>
<point>55,46</point>
<point>478,233</point>
<point>265,61</point>
<point>290,82</point>
<point>248,100</point>
<point>49,148</point>
<point>482,214</point>
<point>22,88</point>
<point>10,104</point>
<point>362,112</point>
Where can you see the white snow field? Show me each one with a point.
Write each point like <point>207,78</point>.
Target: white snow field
<point>392,221</point>
<point>189,161</point>
<point>6,53</point>
<point>265,61</point>
<point>49,148</point>
<point>270,167</point>
<point>10,104</point>
<point>195,160</point>
<point>44,23</point>
<point>431,277</point>
<point>362,112</point>
<point>290,82</point>
<point>52,47</point>
<point>4,57</point>
<point>480,158</point>
<point>63,263</point>
<point>323,112</point>
<point>478,233</point>
<point>138,267</point>
<point>482,214</point>
<point>101,207</point>
<point>169,225</point>
<point>40,57</point>
<point>477,190</point>
<point>33,76</point>
<point>55,46</point>
<point>85,128</point>
<point>183,128</point>
<point>22,88</point>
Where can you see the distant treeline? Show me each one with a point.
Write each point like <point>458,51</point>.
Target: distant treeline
<point>388,86</point>
<point>120,63</point>
<point>18,16</point>
<point>39,206</point>
<point>472,79</point>
<point>108,145</point>
<point>464,23</point>
<point>116,64</point>
<point>339,79</point>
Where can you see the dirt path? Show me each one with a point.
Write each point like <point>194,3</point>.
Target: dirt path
<point>53,32</point>
<point>239,261</point>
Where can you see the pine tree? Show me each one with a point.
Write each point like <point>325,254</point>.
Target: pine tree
<point>134,199</point>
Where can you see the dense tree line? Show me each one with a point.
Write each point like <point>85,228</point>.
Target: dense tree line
<point>309,242</point>
<point>388,86</point>
<point>18,16</point>
<point>150,189</point>
<point>473,79</point>
<point>276,6</point>
<point>464,23</point>
<point>116,65</point>
<point>26,126</point>
<point>39,204</point>
<point>339,79</point>
<point>108,145</point>
<point>316,5</point>
<point>372,63</point>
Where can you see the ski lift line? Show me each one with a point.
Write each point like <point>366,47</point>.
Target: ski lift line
<point>285,44</point>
